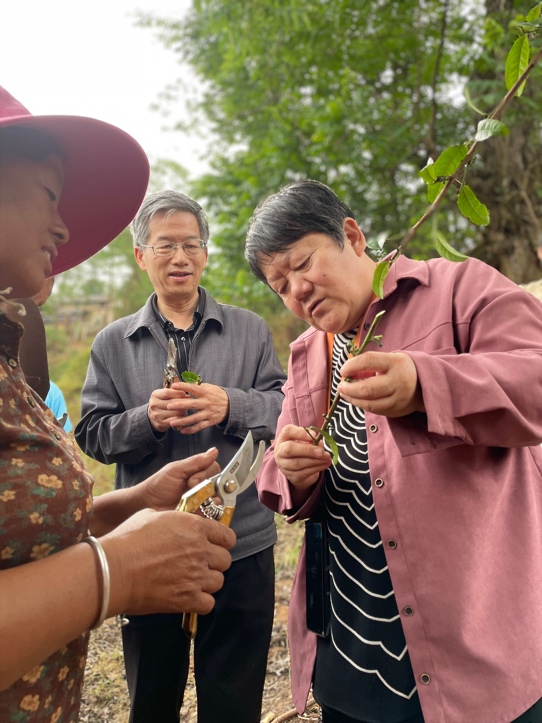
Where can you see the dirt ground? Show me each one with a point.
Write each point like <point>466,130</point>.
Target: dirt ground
<point>105,697</point>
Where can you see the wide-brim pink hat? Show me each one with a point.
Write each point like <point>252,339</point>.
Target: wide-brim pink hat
<point>106,173</point>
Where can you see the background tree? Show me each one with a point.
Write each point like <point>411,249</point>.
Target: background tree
<point>359,95</point>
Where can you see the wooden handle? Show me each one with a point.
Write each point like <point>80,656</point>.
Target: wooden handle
<point>190,624</point>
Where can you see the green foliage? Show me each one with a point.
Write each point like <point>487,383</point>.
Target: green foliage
<point>436,174</point>
<point>352,94</point>
<point>355,94</point>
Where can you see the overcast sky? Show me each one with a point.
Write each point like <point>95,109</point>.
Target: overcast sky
<point>89,58</point>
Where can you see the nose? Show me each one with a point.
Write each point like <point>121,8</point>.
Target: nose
<point>60,231</point>
<point>300,287</point>
<point>183,255</point>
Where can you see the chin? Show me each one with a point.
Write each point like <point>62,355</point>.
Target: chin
<point>27,287</point>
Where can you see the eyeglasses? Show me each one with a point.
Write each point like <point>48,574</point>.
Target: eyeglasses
<point>192,247</point>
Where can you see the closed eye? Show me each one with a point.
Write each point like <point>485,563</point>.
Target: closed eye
<point>51,194</point>
<point>279,289</point>
<point>303,264</point>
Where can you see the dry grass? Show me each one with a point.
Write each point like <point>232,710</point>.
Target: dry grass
<point>105,696</point>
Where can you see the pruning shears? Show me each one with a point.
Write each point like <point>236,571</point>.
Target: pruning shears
<point>234,479</point>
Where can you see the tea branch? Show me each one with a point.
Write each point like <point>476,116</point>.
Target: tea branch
<point>453,178</point>
<point>323,432</point>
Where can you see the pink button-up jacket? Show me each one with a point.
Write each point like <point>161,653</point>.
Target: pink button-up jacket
<point>458,489</point>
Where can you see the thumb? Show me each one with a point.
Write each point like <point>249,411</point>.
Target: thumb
<point>196,463</point>
<point>365,365</point>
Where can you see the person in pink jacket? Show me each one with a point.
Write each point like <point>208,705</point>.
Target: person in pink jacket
<point>418,593</point>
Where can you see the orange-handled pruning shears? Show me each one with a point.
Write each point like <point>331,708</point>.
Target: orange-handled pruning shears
<point>235,478</point>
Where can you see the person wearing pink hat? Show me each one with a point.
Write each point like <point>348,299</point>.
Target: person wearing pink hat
<point>68,186</point>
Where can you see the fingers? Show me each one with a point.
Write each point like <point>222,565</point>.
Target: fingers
<point>164,489</point>
<point>298,458</point>
<point>167,562</point>
<point>203,405</point>
<point>382,383</point>
<point>198,467</point>
<point>158,412</point>
<point>222,538</point>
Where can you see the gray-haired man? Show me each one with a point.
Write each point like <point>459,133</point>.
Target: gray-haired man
<point>128,418</point>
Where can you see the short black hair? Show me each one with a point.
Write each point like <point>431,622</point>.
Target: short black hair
<point>300,208</point>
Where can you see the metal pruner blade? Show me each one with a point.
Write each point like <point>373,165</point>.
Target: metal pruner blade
<point>238,475</point>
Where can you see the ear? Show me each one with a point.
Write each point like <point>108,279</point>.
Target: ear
<point>140,258</point>
<point>354,235</point>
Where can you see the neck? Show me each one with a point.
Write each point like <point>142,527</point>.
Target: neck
<point>180,315</point>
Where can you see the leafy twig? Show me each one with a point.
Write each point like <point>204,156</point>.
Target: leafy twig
<point>322,432</point>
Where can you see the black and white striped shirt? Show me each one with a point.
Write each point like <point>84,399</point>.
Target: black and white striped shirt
<point>362,667</point>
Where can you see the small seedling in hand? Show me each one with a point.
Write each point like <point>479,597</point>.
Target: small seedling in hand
<point>191,378</point>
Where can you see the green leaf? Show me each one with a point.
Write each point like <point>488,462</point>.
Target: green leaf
<point>380,274</point>
<point>446,165</point>
<point>534,13</point>
<point>449,160</point>
<point>434,189</point>
<point>445,250</point>
<point>332,444</point>
<point>428,173</point>
<point>516,63</point>
<point>471,207</point>
<point>526,28</point>
<point>470,102</point>
<point>191,378</point>
<point>490,127</point>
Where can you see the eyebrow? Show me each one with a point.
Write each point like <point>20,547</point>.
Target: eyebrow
<point>170,237</point>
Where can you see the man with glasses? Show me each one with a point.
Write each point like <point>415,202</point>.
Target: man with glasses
<point>130,419</point>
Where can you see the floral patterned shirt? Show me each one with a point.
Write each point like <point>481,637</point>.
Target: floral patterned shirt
<point>45,506</point>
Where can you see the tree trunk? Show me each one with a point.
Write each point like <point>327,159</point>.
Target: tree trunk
<point>507,177</point>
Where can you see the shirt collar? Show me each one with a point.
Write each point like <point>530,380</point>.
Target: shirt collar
<point>166,323</point>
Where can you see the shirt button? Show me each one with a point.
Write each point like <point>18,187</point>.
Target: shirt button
<point>392,544</point>
<point>408,610</point>
<point>373,428</point>
<point>425,678</point>
<point>379,482</point>
<point>367,325</point>
<point>12,362</point>
<point>31,402</point>
<point>56,435</point>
